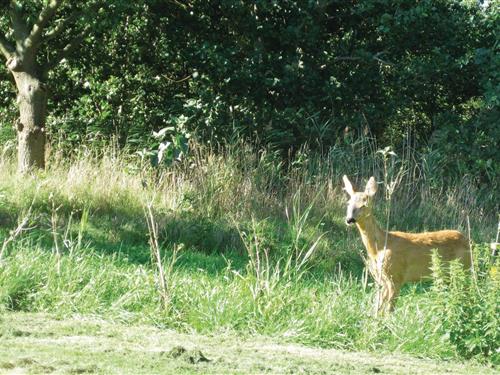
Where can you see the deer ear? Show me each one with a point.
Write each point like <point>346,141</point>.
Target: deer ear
<point>348,186</point>
<point>371,187</point>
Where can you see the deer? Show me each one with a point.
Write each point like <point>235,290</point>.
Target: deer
<point>395,258</point>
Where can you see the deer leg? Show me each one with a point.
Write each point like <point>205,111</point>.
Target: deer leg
<point>385,293</point>
<point>380,285</point>
<point>379,300</point>
<point>386,296</point>
<point>383,298</point>
<point>392,294</point>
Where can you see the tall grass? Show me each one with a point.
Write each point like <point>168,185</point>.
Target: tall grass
<point>264,247</point>
<point>240,182</point>
<point>198,200</point>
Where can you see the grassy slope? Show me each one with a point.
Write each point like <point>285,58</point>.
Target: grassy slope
<point>40,343</point>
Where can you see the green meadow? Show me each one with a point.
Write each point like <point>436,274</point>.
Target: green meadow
<point>239,244</point>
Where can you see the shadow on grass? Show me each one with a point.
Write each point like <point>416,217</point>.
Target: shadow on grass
<point>7,220</point>
<point>209,244</point>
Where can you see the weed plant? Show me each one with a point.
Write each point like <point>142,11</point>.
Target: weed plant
<point>467,305</point>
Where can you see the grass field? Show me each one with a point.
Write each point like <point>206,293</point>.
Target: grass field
<point>249,247</point>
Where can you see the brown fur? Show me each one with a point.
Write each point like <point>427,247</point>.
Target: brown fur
<point>406,257</point>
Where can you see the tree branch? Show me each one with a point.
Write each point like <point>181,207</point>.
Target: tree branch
<point>65,22</point>
<point>61,26</point>
<point>359,58</point>
<point>181,5</point>
<point>56,31</point>
<point>70,47</point>
<point>19,25</point>
<point>347,58</point>
<point>383,62</point>
<point>33,40</point>
<point>5,47</point>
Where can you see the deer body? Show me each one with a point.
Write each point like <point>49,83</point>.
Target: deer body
<point>396,258</point>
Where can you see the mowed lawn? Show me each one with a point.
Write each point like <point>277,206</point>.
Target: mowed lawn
<point>43,343</point>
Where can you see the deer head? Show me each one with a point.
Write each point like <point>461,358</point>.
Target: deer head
<point>360,203</point>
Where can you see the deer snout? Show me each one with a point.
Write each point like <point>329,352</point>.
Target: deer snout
<point>350,220</point>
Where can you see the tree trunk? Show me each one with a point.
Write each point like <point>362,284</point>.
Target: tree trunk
<point>32,102</point>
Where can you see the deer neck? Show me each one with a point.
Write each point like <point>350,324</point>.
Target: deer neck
<point>372,236</point>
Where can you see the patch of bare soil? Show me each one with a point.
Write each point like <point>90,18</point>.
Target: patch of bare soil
<point>189,356</point>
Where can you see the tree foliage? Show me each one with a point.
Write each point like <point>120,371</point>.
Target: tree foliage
<point>283,73</point>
